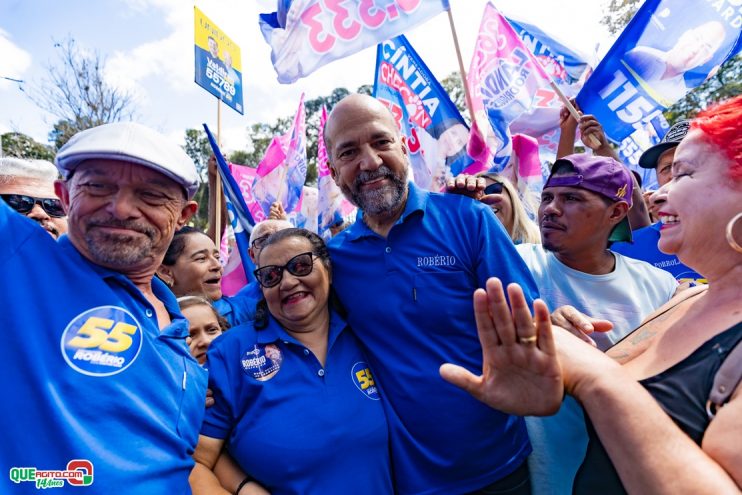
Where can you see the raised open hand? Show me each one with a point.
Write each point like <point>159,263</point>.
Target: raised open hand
<point>520,371</point>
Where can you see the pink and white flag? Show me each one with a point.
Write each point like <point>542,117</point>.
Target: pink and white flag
<point>504,81</point>
<point>333,208</point>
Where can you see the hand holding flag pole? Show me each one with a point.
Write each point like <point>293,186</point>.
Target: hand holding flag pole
<point>572,111</point>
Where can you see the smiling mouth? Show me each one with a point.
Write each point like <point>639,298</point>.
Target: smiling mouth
<point>373,182</point>
<point>295,297</point>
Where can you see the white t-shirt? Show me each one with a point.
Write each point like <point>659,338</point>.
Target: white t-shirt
<point>626,296</point>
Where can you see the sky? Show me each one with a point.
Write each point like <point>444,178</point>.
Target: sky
<point>148,45</point>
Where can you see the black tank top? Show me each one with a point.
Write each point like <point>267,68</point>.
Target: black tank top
<point>681,391</point>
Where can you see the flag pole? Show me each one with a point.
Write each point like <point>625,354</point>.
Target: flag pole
<point>462,71</point>
<point>572,110</point>
<point>218,187</point>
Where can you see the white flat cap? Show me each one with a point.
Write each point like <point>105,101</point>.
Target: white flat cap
<point>129,142</point>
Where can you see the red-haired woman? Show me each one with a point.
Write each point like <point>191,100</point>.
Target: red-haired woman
<point>659,422</point>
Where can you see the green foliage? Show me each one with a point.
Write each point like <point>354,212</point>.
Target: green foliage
<point>198,149</point>
<point>21,146</point>
<point>726,83</point>
<point>618,13</point>
<point>455,89</point>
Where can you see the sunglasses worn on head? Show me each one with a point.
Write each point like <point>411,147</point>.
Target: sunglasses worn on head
<point>494,188</point>
<point>23,204</point>
<point>299,266</point>
<point>260,241</point>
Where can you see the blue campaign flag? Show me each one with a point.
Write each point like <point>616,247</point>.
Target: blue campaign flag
<point>239,215</point>
<point>668,48</point>
<point>567,66</point>
<point>436,132</point>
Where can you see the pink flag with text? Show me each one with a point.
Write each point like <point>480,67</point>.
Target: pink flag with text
<point>504,81</point>
<point>333,207</point>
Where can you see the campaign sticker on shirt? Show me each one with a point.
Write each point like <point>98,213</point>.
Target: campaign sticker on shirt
<point>364,380</point>
<point>262,362</point>
<point>102,341</point>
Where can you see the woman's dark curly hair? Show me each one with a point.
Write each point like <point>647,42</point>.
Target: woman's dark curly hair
<point>319,249</point>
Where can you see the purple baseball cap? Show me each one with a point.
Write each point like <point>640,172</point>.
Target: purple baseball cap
<point>602,175</point>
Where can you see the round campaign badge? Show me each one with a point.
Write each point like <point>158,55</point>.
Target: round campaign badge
<point>361,375</point>
<point>262,362</point>
<point>102,341</point>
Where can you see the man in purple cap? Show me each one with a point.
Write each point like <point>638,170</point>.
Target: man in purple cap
<point>583,208</point>
<point>644,244</point>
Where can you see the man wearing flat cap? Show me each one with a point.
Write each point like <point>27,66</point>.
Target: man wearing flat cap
<point>103,392</point>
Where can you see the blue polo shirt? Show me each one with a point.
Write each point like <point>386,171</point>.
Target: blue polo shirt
<point>409,301</point>
<point>93,385</point>
<point>645,248</point>
<point>240,308</point>
<point>295,426</point>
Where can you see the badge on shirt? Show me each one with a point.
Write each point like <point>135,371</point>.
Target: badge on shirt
<point>262,362</point>
<point>102,341</point>
<point>364,380</point>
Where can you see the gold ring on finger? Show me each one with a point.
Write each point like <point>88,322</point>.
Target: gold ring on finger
<point>527,340</point>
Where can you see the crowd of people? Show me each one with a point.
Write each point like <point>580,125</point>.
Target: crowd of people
<point>442,343</point>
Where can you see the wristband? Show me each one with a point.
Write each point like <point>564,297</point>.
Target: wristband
<point>247,480</point>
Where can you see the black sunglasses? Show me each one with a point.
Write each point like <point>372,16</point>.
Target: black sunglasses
<point>299,266</point>
<point>260,241</point>
<point>23,204</point>
<point>494,188</point>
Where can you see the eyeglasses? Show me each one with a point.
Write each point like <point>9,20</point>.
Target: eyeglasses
<point>23,204</point>
<point>260,241</point>
<point>494,188</point>
<point>299,266</point>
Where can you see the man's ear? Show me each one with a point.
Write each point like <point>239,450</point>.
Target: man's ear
<point>189,209</point>
<point>63,193</point>
<point>403,142</point>
<point>618,211</point>
<point>334,173</point>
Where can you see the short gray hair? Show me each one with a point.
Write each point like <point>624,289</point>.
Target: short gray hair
<point>11,168</point>
<point>268,227</point>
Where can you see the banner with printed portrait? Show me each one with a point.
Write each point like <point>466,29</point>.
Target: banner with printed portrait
<point>566,68</point>
<point>436,133</point>
<point>218,62</point>
<point>668,48</point>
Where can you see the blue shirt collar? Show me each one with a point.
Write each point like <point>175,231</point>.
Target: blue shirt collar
<point>416,201</point>
<point>178,327</point>
<point>274,331</point>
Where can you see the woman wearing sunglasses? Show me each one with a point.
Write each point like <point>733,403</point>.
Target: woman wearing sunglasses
<point>295,402</point>
<point>501,196</point>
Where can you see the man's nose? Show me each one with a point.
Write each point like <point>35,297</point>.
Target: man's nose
<point>123,205</point>
<point>370,159</point>
<point>37,213</point>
